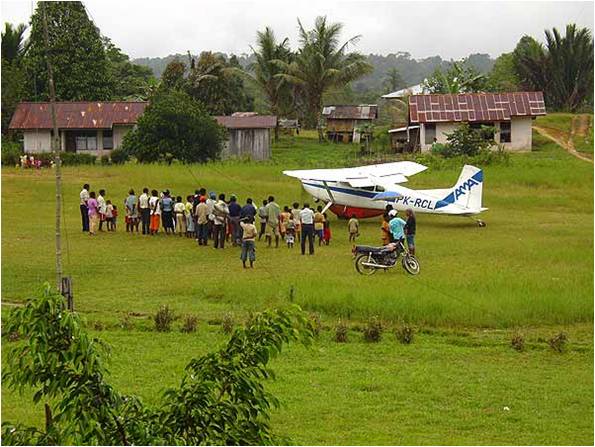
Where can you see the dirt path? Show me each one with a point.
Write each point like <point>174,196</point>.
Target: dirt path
<point>580,126</point>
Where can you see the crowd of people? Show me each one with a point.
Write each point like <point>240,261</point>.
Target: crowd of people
<point>211,218</point>
<point>208,217</point>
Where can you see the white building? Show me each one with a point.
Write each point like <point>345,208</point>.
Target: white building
<point>84,127</point>
<point>432,117</point>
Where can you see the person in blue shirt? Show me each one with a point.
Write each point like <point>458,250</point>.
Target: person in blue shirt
<point>396,226</point>
<point>235,210</point>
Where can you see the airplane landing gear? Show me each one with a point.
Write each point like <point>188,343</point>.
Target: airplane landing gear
<point>480,223</point>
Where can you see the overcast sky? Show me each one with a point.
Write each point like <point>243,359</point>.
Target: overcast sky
<point>449,29</point>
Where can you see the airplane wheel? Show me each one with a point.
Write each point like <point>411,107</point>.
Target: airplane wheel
<point>481,223</point>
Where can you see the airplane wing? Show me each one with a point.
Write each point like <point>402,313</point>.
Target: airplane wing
<point>362,176</point>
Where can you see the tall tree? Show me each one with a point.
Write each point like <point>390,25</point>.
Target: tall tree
<point>322,63</point>
<point>127,80</point>
<point>264,72</point>
<point>562,69</point>
<point>503,77</point>
<point>393,80</point>
<point>81,65</point>
<point>530,63</point>
<point>571,66</point>
<point>215,82</point>
<point>14,79</point>
<point>173,76</point>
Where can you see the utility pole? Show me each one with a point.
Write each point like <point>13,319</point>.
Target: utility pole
<point>55,149</point>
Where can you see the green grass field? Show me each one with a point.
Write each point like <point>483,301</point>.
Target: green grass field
<point>529,271</point>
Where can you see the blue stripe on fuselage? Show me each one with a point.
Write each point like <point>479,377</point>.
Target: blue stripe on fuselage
<point>353,192</point>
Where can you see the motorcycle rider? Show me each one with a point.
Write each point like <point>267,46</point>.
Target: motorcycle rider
<point>397,227</point>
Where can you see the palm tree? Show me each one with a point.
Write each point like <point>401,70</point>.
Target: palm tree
<point>265,70</point>
<point>571,66</point>
<point>322,63</point>
<point>13,42</point>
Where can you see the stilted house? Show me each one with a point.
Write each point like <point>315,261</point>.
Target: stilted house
<point>84,127</point>
<point>346,123</point>
<point>248,135</point>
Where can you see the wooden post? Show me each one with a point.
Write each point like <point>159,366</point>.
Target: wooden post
<point>55,148</point>
<point>66,291</point>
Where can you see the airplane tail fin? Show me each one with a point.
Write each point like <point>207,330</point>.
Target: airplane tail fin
<point>467,191</point>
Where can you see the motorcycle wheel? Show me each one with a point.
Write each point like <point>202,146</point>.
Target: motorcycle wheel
<point>411,264</point>
<point>363,269</point>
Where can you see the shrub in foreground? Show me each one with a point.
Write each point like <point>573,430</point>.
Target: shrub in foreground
<point>518,342</point>
<point>373,330</point>
<point>164,318</point>
<point>341,332</point>
<point>558,342</point>
<point>220,400</point>
<point>190,323</point>
<point>404,334</point>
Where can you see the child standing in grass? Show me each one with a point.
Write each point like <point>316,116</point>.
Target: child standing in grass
<point>109,215</point>
<point>326,230</point>
<point>248,241</point>
<point>353,226</point>
<point>290,233</point>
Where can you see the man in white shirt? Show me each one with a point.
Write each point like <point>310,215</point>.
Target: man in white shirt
<point>84,196</point>
<point>307,223</point>
<point>145,210</point>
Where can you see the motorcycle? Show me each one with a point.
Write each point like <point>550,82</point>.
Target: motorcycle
<point>369,259</point>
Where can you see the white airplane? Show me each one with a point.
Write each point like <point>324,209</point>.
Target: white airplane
<point>365,191</point>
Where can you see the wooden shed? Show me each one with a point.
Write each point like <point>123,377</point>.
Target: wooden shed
<point>344,123</point>
<point>248,135</point>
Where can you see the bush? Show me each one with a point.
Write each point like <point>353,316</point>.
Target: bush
<point>439,148</point>
<point>164,318</point>
<point>73,159</point>
<point>404,334</point>
<point>119,156</point>
<point>558,342</point>
<point>465,140</point>
<point>316,324</point>
<point>373,330</point>
<point>105,160</point>
<point>518,342</point>
<point>11,153</point>
<point>190,323</point>
<point>175,126</point>
<point>341,332</point>
<point>228,323</point>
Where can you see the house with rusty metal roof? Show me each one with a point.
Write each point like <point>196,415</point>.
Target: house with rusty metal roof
<point>84,127</point>
<point>431,117</point>
<point>345,123</point>
<point>248,135</point>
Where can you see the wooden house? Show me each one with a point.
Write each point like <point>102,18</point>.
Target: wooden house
<point>248,135</point>
<point>344,123</point>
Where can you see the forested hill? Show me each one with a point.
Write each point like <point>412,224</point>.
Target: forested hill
<point>412,71</point>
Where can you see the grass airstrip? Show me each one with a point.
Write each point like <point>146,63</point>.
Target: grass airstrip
<point>528,273</point>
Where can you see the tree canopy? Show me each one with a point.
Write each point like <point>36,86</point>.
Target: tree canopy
<point>321,63</point>
<point>76,50</point>
<point>221,399</point>
<point>174,126</point>
<point>562,69</point>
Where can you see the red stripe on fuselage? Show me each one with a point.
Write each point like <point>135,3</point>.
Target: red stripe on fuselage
<point>360,213</point>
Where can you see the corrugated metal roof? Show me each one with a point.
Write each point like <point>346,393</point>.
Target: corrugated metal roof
<point>247,122</point>
<point>76,115</point>
<point>361,112</point>
<point>473,107</point>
